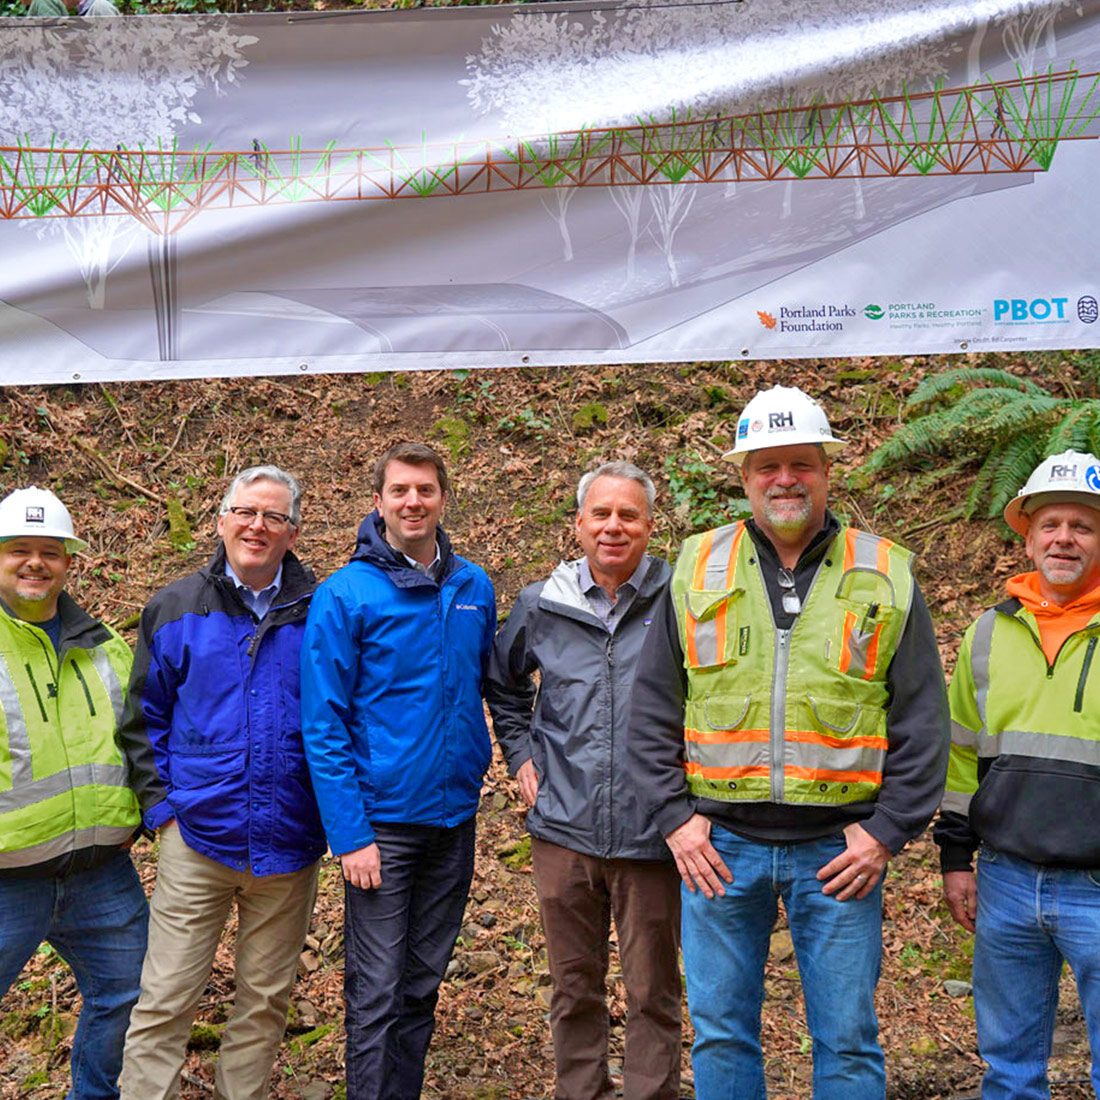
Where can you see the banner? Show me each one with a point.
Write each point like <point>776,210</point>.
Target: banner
<point>546,184</point>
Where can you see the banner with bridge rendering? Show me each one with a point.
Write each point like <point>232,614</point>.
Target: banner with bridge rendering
<point>546,184</point>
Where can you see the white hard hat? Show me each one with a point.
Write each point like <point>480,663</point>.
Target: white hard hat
<point>782,417</point>
<point>38,512</point>
<point>1069,478</point>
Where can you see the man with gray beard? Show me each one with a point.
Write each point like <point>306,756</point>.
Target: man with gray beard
<point>789,734</point>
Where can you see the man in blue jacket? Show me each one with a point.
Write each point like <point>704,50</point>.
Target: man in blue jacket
<point>594,855</point>
<point>392,667</point>
<point>215,749</point>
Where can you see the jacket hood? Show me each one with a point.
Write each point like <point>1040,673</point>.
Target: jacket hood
<point>371,546</point>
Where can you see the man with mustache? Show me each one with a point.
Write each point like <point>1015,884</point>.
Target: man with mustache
<point>789,729</point>
<point>1025,770</point>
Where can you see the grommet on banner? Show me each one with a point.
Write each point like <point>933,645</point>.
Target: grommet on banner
<point>76,376</point>
<point>964,345</point>
<point>303,366</point>
<point>744,353</point>
<point>525,359</point>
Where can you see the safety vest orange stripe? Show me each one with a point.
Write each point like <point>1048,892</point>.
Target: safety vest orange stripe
<point>792,772</point>
<point>850,536</point>
<point>731,567</point>
<point>812,737</point>
<point>725,737</point>
<point>883,563</point>
<point>846,640</point>
<point>699,580</point>
<point>872,653</point>
<point>749,771</point>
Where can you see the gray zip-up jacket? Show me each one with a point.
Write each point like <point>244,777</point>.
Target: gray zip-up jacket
<point>573,726</point>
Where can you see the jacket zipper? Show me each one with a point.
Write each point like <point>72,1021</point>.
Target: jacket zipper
<point>1079,698</point>
<point>37,693</point>
<point>84,685</point>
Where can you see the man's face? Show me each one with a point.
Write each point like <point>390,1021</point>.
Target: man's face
<point>254,548</point>
<point>1063,540</point>
<point>32,574</point>
<point>614,526</point>
<point>411,506</point>
<point>788,488</point>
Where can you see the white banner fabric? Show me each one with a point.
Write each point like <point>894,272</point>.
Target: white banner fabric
<point>546,184</point>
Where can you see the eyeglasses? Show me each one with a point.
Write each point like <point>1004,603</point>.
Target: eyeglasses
<point>792,603</point>
<point>247,516</point>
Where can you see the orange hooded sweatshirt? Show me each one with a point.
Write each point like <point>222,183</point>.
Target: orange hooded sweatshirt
<point>1056,623</point>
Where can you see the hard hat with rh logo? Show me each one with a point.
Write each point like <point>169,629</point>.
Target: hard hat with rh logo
<point>782,417</point>
<point>35,511</point>
<point>1072,477</point>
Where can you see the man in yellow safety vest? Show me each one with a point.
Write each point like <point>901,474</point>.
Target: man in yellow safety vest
<point>789,726</point>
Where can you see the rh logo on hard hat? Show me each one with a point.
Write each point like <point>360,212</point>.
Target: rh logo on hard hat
<point>780,422</point>
<point>1092,478</point>
<point>1063,472</point>
<point>36,513</point>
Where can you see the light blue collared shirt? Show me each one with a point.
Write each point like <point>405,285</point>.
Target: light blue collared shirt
<point>258,602</point>
<point>610,612</point>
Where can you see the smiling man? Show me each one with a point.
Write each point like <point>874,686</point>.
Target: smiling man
<point>594,857</point>
<point>1024,784</point>
<point>215,744</point>
<point>789,734</point>
<point>392,668</point>
<point>66,813</point>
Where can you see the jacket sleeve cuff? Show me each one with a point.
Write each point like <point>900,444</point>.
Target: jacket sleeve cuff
<point>673,815</point>
<point>886,832</point>
<point>158,815</point>
<point>956,857</point>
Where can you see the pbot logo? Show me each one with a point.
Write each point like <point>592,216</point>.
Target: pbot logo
<point>1038,309</point>
<point>778,422</point>
<point>1087,309</point>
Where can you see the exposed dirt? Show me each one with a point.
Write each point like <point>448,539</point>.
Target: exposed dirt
<point>517,440</point>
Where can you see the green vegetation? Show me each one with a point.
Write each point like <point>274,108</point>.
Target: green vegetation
<point>986,414</point>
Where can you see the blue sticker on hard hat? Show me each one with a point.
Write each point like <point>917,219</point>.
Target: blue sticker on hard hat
<point>743,428</point>
<point>36,513</point>
<point>1092,478</point>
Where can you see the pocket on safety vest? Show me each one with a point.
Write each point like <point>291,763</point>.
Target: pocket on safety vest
<point>712,634</point>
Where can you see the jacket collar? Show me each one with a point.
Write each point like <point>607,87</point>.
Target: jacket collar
<point>298,579</point>
<point>371,546</point>
<point>563,589</point>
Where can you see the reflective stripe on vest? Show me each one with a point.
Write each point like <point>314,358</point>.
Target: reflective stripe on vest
<point>19,745</point>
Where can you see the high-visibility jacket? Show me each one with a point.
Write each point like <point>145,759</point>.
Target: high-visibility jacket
<point>1030,731</point>
<point>62,777</point>
<point>798,715</point>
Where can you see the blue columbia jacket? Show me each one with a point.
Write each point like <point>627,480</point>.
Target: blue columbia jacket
<point>392,669</point>
<point>211,730</point>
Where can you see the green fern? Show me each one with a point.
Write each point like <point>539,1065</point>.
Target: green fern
<point>1005,423</point>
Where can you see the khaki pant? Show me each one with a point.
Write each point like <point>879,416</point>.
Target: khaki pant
<point>578,895</point>
<point>188,912</point>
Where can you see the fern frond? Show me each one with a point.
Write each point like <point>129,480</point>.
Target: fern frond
<point>1013,467</point>
<point>937,385</point>
<point>1073,431</point>
<point>979,491</point>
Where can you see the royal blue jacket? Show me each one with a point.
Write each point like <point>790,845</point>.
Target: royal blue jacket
<point>392,670</point>
<point>212,731</point>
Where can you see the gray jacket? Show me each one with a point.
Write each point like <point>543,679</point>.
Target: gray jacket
<point>574,725</point>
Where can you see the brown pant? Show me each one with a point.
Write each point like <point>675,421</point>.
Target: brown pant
<point>578,894</point>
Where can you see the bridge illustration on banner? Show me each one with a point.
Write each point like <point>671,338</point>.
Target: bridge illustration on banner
<point>996,127</point>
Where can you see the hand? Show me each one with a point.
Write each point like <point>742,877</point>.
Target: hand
<point>960,891</point>
<point>855,872</point>
<point>697,860</point>
<point>528,782</point>
<point>363,867</point>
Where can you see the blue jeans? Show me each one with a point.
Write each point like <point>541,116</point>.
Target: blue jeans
<point>96,921</point>
<point>398,940</point>
<point>838,946</point>
<point>1030,918</point>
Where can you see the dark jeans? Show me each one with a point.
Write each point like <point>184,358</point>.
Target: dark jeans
<point>96,920</point>
<point>398,939</point>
